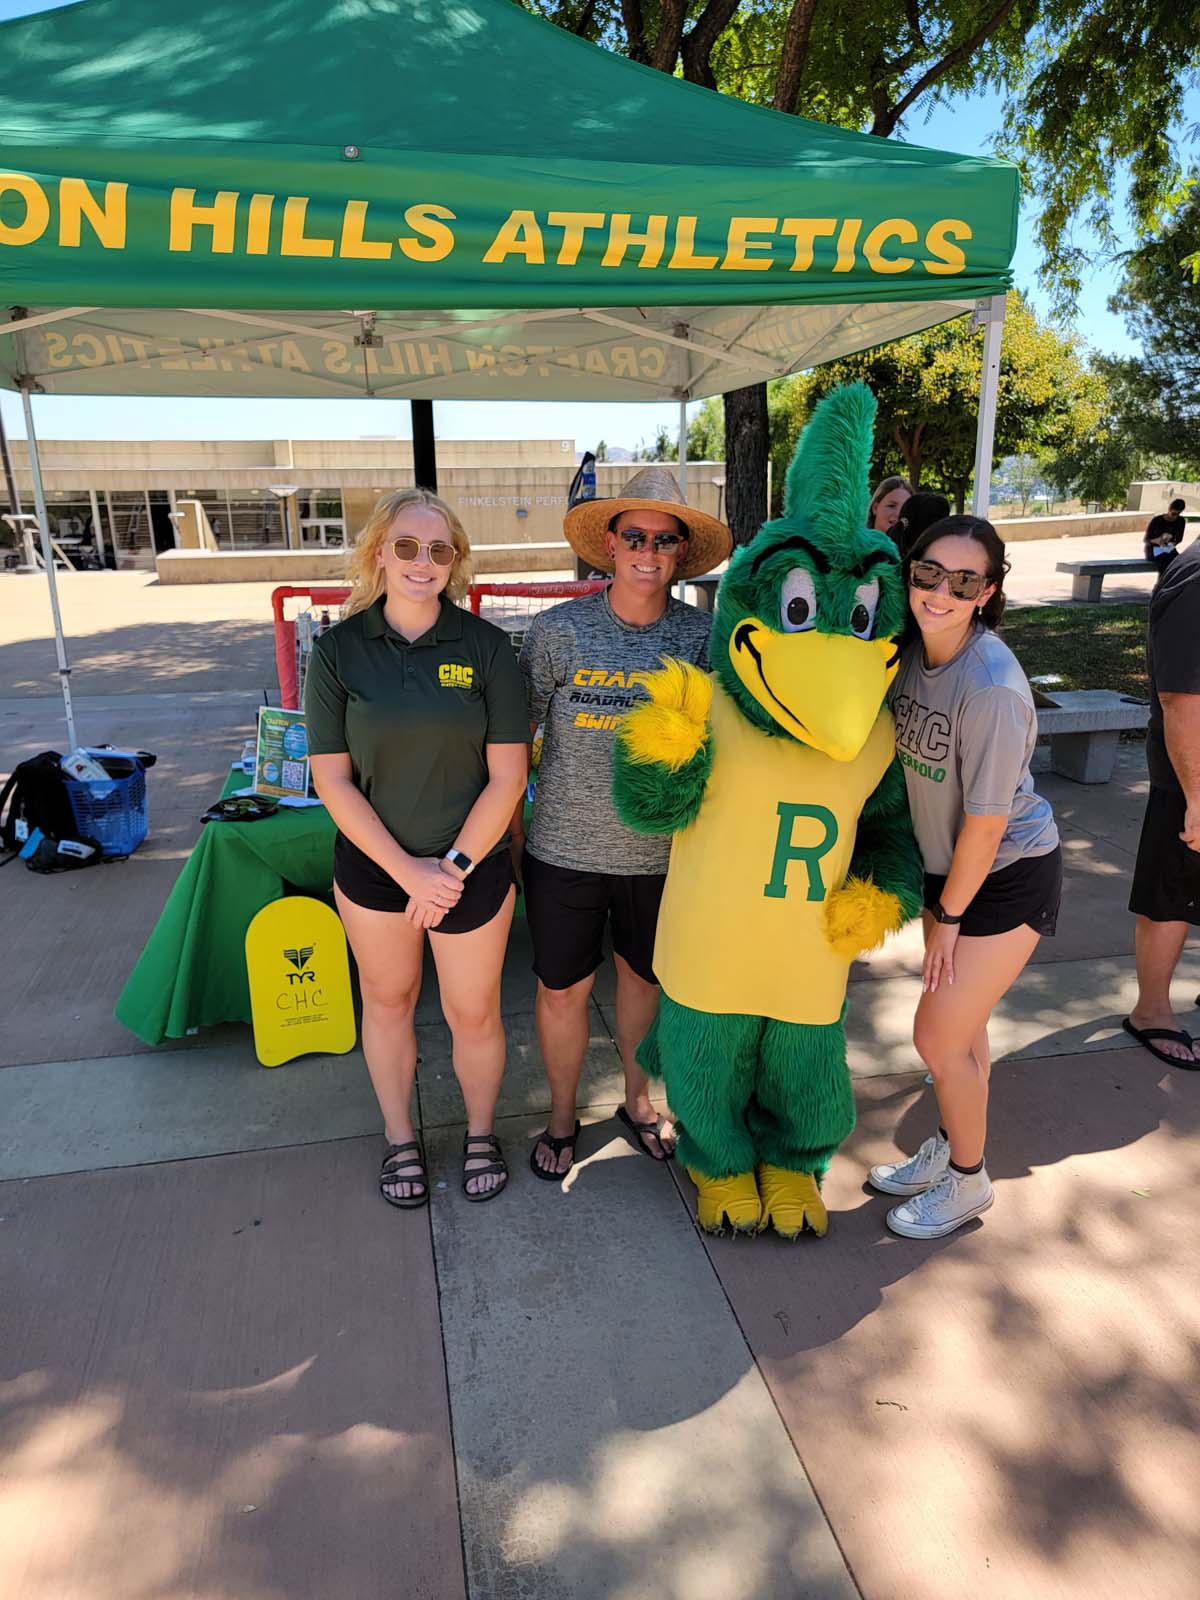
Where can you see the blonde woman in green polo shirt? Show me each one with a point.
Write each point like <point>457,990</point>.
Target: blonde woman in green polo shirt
<point>418,736</point>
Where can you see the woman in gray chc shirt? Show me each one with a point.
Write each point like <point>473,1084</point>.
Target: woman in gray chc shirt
<point>965,731</point>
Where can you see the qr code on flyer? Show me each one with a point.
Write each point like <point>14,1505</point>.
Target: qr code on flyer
<point>293,775</point>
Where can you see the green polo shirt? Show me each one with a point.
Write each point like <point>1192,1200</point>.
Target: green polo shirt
<point>416,718</point>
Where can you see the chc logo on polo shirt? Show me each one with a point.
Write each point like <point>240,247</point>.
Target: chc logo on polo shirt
<point>453,675</point>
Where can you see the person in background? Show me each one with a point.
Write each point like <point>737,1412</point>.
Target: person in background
<point>583,869</point>
<point>965,731</point>
<point>887,502</point>
<point>419,746</point>
<point>1165,898</point>
<point>1164,534</point>
<point>919,511</point>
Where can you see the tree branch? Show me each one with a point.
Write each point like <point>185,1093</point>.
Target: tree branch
<point>912,12</point>
<point>673,13</point>
<point>585,19</point>
<point>885,122</point>
<point>794,54</point>
<point>703,35</point>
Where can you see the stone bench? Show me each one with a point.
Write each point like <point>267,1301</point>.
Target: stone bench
<point>1083,726</point>
<point>1087,577</point>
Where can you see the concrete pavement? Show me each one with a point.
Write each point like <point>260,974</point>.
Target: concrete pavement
<point>229,1372</point>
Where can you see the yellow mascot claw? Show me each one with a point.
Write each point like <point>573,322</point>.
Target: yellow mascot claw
<point>859,916</point>
<point>727,1202</point>
<point>670,727</point>
<point>791,1202</point>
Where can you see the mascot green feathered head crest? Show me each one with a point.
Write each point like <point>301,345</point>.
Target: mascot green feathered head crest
<point>806,614</point>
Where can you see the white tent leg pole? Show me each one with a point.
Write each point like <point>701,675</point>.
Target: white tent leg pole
<point>989,313</point>
<point>39,500</point>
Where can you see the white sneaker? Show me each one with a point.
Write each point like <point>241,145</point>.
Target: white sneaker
<point>954,1199</point>
<point>918,1173</point>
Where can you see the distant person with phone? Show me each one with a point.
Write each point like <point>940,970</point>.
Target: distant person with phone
<point>1164,534</point>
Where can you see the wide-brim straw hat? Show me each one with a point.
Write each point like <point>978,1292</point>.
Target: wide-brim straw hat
<point>652,489</point>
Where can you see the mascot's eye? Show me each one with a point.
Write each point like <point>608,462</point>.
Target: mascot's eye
<point>798,602</point>
<point>862,618</point>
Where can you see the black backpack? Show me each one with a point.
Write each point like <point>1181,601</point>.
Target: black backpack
<point>36,797</point>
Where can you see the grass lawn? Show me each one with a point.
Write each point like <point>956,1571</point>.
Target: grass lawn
<point>1089,647</point>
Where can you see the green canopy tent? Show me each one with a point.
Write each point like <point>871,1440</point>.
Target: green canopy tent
<point>403,198</point>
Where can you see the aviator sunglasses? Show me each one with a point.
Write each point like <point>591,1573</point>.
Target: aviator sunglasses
<point>635,539</point>
<point>964,584</point>
<point>406,548</point>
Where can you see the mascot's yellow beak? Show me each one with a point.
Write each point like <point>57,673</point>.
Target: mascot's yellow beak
<point>825,689</point>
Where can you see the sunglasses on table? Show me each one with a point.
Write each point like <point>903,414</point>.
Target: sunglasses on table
<point>964,584</point>
<point>440,551</point>
<point>635,539</point>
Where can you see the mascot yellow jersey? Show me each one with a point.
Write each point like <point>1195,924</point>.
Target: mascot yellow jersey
<point>741,927</point>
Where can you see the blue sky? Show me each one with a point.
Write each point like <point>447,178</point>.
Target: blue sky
<point>965,125</point>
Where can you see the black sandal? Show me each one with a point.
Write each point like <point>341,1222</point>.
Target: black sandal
<point>1146,1036</point>
<point>394,1159</point>
<point>654,1129</point>
<point>556,1146</point>
<point>497,1166</point>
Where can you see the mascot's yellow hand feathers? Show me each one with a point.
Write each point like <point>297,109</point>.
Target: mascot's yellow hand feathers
<point>859,916</point>
<point>670,727</point>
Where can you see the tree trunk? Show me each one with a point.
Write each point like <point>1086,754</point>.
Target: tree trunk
<point>909,440</point>
<point>746,455</point>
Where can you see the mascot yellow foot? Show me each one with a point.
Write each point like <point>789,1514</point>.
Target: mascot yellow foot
<point>727,1202</point>
<point>791,1202</point>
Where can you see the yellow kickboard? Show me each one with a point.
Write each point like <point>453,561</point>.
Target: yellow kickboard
<point>299,974</point>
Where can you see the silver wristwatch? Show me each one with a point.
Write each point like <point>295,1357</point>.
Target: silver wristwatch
<point>461,861</point>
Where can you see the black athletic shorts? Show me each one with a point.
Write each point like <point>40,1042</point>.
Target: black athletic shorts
<point>366,883</point>
<point>567,912</point>
<point>1166,875</point>
<point>1026,893</point>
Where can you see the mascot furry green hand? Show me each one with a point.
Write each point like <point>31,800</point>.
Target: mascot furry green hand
<point>793,851</point>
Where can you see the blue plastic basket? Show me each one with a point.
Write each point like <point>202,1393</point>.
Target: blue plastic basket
<point>113,813</point>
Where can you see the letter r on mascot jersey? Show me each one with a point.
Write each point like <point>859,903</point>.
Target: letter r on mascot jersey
<point>792,848</point>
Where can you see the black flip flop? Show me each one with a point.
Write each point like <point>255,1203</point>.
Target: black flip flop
<point>639,1131</point>
<point>1176,1035</point>
<point>497,1166</point>
<point>394,1159</point>
<point>556,1147</point>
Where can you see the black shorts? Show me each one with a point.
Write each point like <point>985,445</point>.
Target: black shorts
<point>366,883</point>
<point>1027,893</point>
<point>1166,875</point>
<point>567,912</point>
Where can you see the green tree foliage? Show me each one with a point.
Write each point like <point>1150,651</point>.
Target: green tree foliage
<point>1160,299</point>
<point>927,387</point>
<point>1093,99</point>
<point>602,451</point>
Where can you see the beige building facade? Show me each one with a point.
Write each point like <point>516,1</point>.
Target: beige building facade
<point>130,501</point>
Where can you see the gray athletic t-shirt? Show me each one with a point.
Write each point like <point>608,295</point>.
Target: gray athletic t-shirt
<point>584,669</point>
<point>965,733</point>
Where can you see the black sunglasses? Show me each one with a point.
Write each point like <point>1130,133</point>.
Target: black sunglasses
<point>964,584</point>
<point>635,539</point>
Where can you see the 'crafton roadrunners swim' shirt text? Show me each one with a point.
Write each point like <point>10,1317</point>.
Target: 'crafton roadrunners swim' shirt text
<point>584,669</point>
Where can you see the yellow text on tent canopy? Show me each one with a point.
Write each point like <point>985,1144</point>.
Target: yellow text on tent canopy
<point>229,222</point>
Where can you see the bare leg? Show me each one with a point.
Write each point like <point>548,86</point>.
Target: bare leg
<point>637,1007</point>
<point>563,1030</point>
<point>388,951</point>
<point>468,968</point>
<point>947,1032</point>
<point>1158,946</point>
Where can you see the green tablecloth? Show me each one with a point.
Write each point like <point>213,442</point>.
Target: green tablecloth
<point>192,972</point>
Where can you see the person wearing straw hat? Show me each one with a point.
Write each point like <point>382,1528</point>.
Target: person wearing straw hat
<point>584,664</point>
